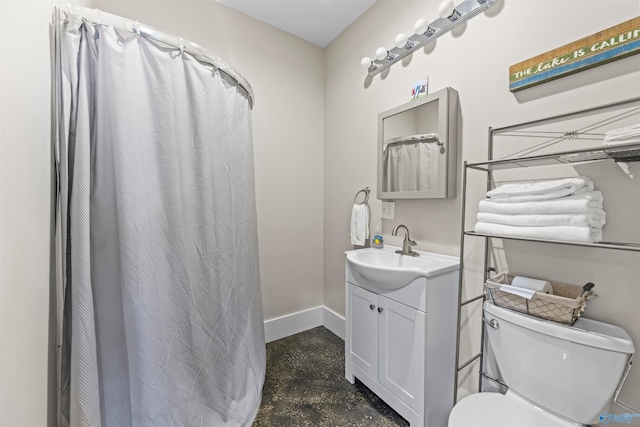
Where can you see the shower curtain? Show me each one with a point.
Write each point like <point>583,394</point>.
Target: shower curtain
<point>162,318</point>
<point>410,166</point>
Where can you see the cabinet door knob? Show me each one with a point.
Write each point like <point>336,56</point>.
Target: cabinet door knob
<point>371,306</point>
<point>380,309</point>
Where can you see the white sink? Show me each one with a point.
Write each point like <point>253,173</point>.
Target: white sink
<point>388,270</point>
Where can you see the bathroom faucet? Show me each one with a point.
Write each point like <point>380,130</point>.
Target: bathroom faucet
<point>406,243</point>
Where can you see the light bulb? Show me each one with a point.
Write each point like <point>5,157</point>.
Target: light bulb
<point>421,26</point>
<point>381,53</point>
<point>401,40</point>
<point>446,9</point>
<point>366,62</point>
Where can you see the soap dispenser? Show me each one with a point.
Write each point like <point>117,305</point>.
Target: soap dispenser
<point>377,241</point>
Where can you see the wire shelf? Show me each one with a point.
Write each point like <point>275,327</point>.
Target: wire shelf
<point>618,153</point>
<point>622,246</point>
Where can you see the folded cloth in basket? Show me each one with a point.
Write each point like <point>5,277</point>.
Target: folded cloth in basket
<point>626,135</point>
<point>580,203</point>
<point>521,292</point>
<point>535,285</point>
<point>595,219</point>
<point>557,232</point>
<point>544,190</point>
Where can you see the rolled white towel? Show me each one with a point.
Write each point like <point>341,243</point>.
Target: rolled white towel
<point>595,219</point>
<point>581,203</point>
<point>543,190</point>
<point>625,135</point>
<point>565,233</point>
<point>536,285</point>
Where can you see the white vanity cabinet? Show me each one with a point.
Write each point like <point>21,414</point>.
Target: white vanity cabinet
<point>401,344</point>
<point>387,344</point>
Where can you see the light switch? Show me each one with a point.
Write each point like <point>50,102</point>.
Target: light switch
<point>388,209</point>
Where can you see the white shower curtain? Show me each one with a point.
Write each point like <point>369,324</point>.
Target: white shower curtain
<point>410,166</point>
<point>162,309</point>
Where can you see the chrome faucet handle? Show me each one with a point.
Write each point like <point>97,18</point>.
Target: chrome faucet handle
<point>407,249</point>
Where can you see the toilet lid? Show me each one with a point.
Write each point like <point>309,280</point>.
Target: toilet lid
<point>498,410</point>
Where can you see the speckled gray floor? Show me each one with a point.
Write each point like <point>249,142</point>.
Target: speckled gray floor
<point>305,386</point>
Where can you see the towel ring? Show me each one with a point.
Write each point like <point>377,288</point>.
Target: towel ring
<point>366,192</point>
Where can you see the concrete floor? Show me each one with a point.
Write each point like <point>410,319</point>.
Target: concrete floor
<point>305,386</point>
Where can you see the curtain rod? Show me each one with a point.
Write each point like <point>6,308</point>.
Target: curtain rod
<point>96,16</point>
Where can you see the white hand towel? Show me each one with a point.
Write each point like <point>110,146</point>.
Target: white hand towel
<point>522,292</point>
<point>536,285</point>
<point>581,203</point>
<point>557,232</point>
<point>626,135</point>
<point>359,224</point>
<point>595,219</point>
<point>544,190</point>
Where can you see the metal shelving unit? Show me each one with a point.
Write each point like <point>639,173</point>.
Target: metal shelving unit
<point>618,153</point>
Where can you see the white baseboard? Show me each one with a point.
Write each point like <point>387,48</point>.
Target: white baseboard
<point>333,322</point>
<point>291,324</point>
<point>284,326</point>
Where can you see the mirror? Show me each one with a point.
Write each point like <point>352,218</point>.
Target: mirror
<point>417,144</point>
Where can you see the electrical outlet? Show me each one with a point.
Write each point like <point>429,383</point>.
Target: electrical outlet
<point>388,209</point>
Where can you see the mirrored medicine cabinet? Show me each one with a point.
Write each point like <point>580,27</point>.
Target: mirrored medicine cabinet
<point>417,146</point>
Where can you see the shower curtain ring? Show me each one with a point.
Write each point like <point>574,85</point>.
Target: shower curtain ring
<point>136,27</point>
<point>75,10</point>
<point>98,17</point>
<point>181,46</point>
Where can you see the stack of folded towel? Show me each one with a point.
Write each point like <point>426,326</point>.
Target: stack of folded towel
<point>626,135</point>
<point>565,209</point>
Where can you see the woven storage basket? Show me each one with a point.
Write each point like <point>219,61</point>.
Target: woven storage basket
<point>564,306</point>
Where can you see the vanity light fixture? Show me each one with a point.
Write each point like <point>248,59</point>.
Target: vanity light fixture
<point>451,16</point>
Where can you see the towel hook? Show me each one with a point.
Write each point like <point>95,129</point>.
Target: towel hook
<point>75,11</point>
<point>366,192</point>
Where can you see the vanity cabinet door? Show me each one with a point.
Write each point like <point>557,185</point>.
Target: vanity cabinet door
<point>402,352</point>
<point>363,330</point>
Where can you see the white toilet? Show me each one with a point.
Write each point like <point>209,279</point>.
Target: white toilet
<point>557,375</point>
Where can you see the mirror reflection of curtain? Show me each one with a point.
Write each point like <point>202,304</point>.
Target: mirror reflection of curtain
<point>163,321</point>
<point>410,166</point>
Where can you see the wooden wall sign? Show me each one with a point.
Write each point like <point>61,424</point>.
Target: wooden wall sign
<point>614,43</point>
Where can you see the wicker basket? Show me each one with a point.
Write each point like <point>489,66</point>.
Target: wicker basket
<point>564,306</point>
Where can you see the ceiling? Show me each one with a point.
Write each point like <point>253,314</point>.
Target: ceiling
<point>317,21</point>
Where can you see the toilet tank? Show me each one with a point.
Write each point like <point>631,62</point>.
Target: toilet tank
<point>570,370</point>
